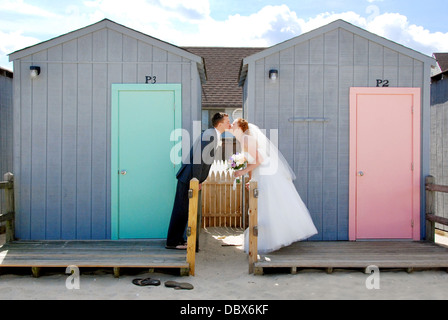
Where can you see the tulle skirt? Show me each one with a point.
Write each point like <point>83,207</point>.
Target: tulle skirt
<point>283,218</point>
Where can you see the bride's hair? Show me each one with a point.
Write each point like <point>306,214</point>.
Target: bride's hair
<point>243,124</point>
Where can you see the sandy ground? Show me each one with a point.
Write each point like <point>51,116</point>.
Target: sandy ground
<point>222,273</point>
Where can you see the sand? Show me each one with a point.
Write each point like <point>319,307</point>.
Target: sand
<point>222,273</point>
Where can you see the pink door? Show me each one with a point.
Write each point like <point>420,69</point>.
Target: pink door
<point>384,163</point>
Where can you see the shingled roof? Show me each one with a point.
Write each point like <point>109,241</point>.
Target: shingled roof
<point>442,60</point>
<point>223,66</point>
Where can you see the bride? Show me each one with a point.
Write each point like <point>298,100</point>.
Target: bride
<point>282,216</point>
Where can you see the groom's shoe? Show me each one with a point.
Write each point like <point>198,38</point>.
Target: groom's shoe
<point>178,247</point>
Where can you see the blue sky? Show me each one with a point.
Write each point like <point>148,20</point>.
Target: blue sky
<point>417,24</point>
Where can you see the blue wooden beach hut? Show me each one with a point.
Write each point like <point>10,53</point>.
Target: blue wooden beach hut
<point>6,77</point>
<point>310,90</point>
<point>94,111</point>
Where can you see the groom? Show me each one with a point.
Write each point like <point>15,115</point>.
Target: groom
<point>201,158</point>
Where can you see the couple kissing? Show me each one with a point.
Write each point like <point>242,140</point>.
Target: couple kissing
<point>282,216</point>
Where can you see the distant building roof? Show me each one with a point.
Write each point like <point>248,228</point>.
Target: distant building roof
<point>442,60</point>
<point>5,73</point>
<point>223,66</point>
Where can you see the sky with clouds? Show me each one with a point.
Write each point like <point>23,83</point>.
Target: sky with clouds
<point>420,25</point>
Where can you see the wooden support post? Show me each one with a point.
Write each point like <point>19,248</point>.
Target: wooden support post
<point>35,271</point>
<point>430,203</point>
<point>199,220</point>
<point>253,225</point>
<point>184,272</point>
<point>9,201</point>
<point>258,271</point>
<point>193,194</point>
<point>116,272</point>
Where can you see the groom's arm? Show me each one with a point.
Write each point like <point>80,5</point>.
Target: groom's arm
<point>203,153</point>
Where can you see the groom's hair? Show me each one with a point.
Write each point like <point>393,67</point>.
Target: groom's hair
<point>218,118</point>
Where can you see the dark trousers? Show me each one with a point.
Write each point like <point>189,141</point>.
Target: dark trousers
<point>179,216</point>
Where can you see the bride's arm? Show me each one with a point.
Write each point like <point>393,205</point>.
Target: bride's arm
<point>252,150</point>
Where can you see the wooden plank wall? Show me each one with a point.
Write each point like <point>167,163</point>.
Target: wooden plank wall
<point>62,128</point>
<point>315,77</point>
<point>5,129</point>
<point>439,144</point>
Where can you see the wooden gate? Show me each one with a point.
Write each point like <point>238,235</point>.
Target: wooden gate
<point>222,206</point>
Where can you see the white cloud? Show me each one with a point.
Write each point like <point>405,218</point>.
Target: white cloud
<point>396,27</point>
<point>19,6</point>
<point>272,24</point>
<point>162,12</point>
<point>168,20</point>
<point>393,26</point>
<point>190,23</point>
<point>12,41</point>
<point>326,18</point>
<point>192,9</point>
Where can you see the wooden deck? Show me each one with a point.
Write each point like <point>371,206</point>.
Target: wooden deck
<point>331,255</point>
<point>103,254</point>
<point>152,254</point>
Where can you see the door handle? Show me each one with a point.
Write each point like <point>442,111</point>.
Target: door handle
<point>124,172</point>
<point>361,173</point>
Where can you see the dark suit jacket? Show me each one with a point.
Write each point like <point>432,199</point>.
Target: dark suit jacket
<point>201,158</point>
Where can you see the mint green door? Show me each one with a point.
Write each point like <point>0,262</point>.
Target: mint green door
<point>143,175</point>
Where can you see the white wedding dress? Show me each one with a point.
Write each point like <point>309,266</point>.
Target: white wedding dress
<point>283,218</point>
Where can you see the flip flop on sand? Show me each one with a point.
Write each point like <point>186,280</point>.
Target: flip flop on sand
<point>146,282</point>
<point>179,285</point>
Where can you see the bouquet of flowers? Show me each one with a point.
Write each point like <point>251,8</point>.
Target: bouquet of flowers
<point>236,162</point>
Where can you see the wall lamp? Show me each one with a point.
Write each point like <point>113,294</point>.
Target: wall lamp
<point>273,74</point>
<point>34,72</point>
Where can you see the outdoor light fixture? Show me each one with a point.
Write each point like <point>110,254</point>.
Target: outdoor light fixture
<point>34,72</point>
<point>273,74</point>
